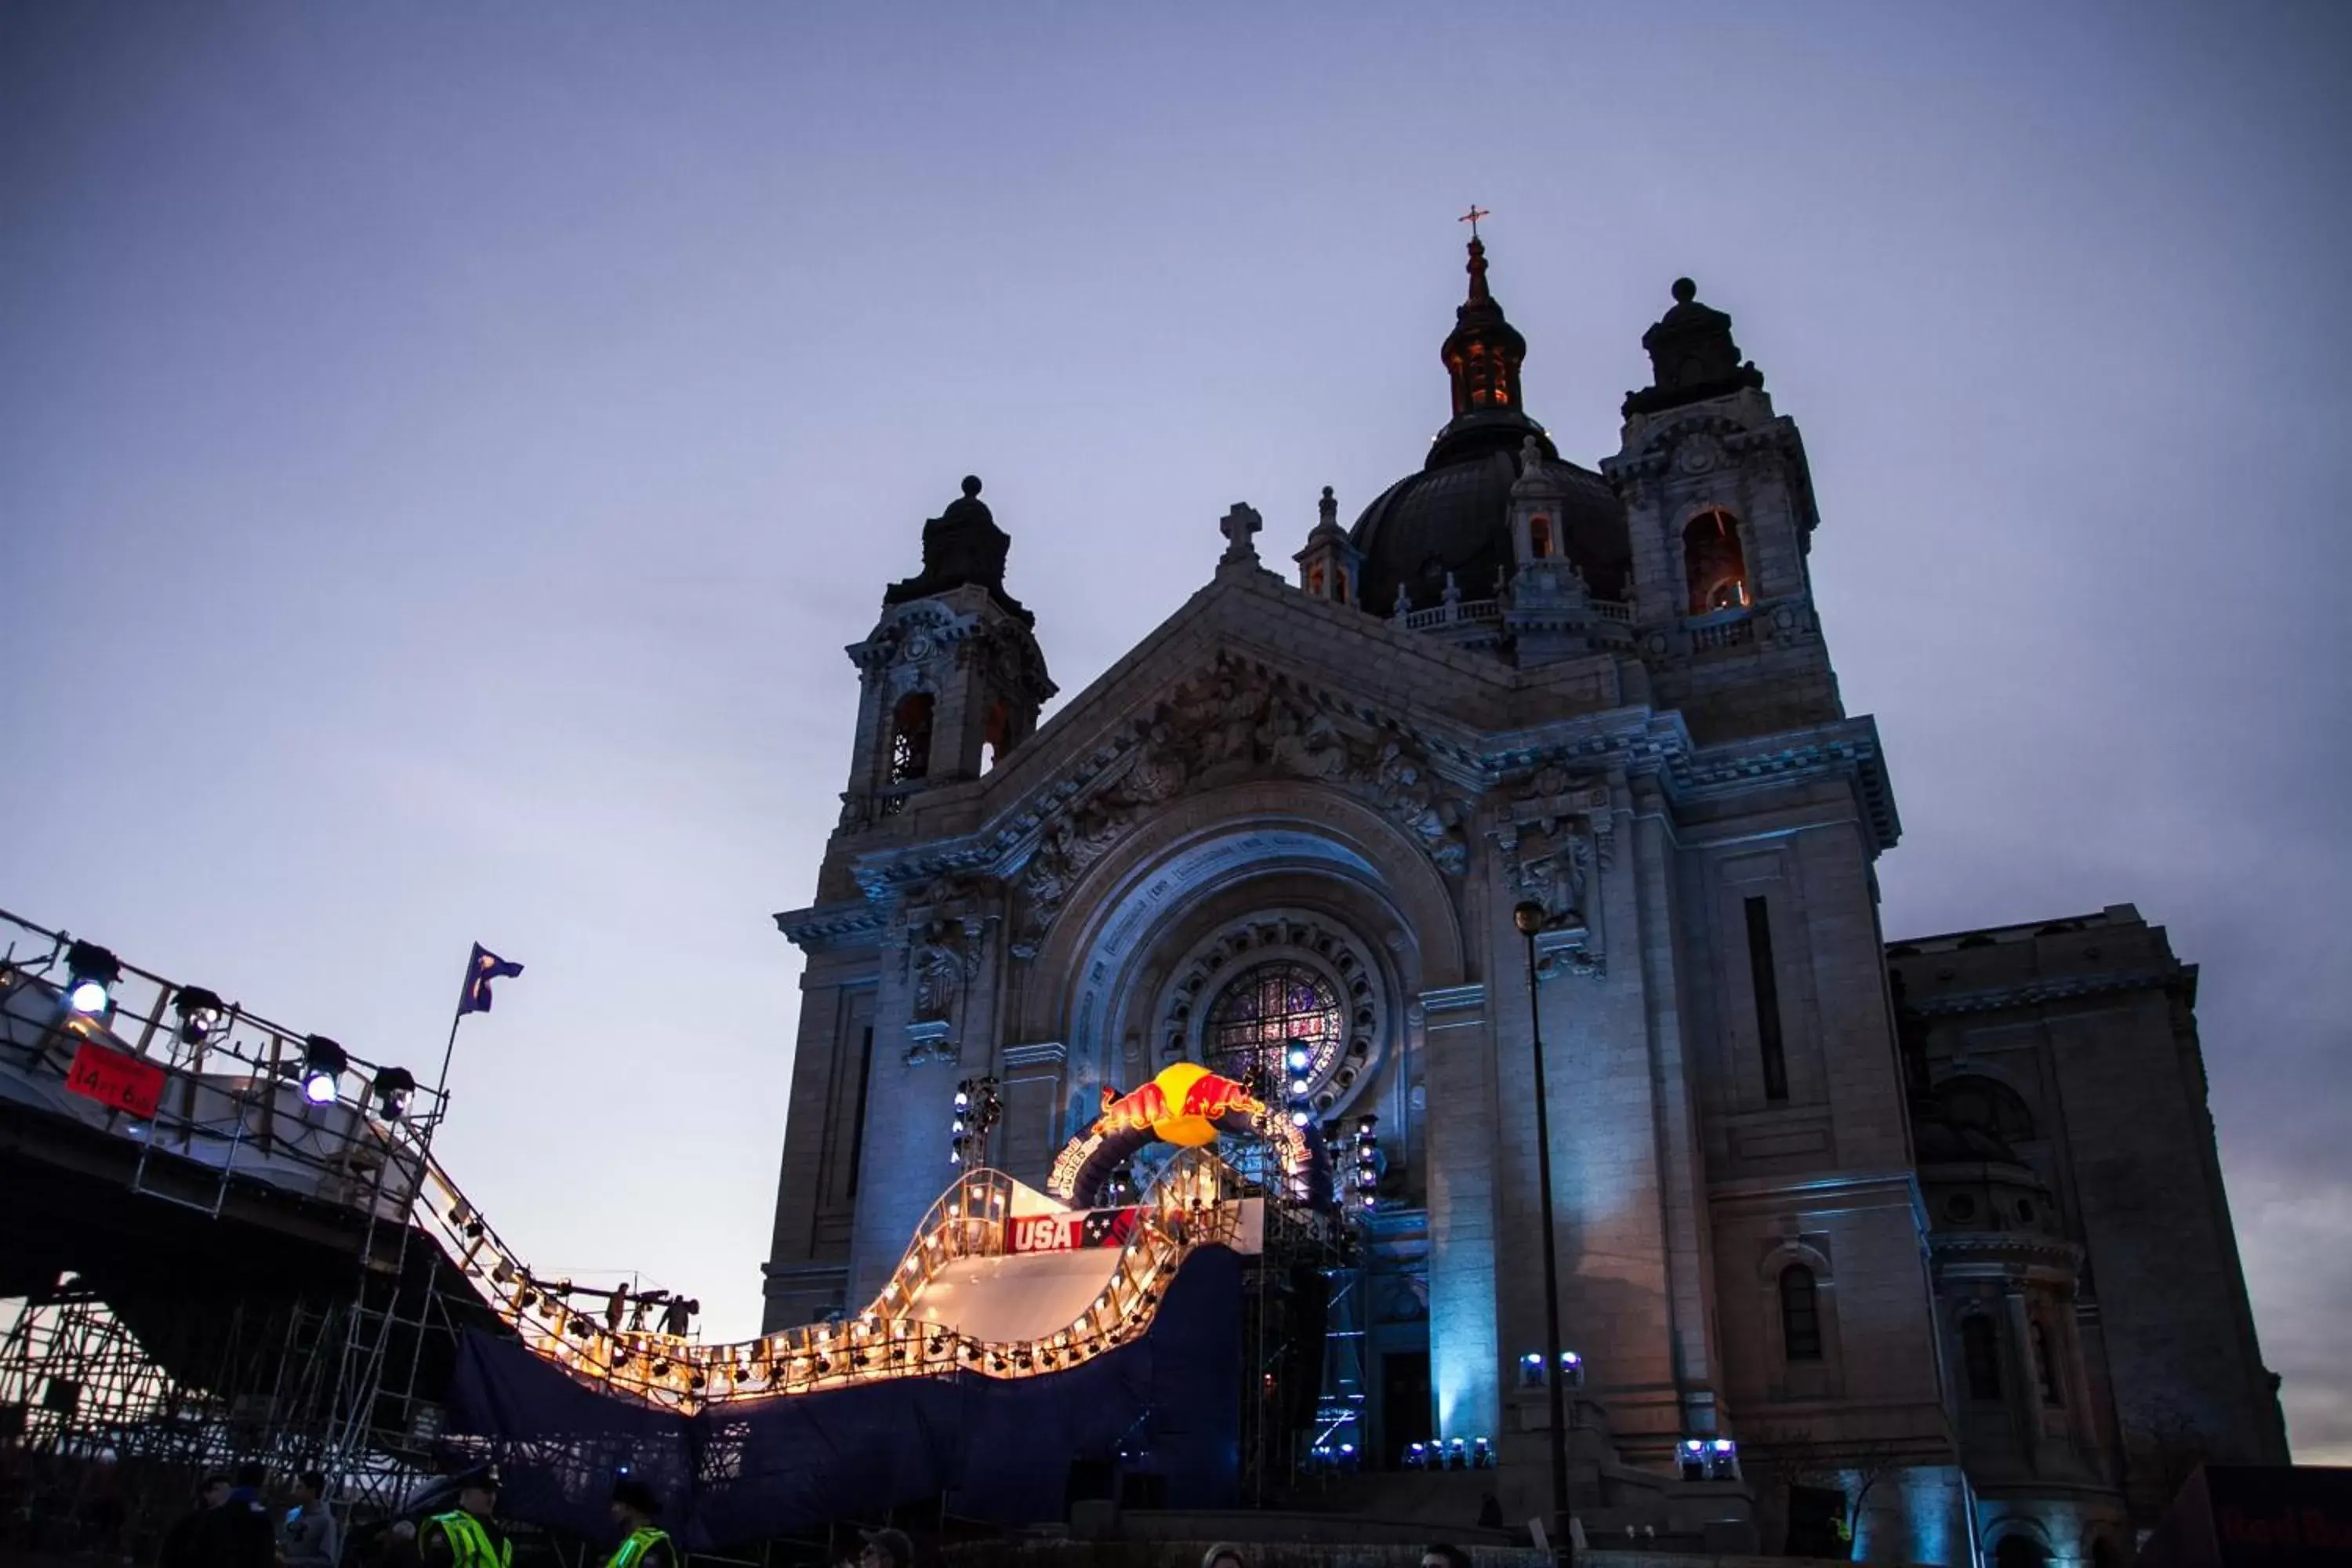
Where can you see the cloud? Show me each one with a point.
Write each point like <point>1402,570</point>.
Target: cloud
<point>2296,1242</point>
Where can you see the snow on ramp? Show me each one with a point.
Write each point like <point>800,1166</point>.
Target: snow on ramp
<point>1015,1297</point>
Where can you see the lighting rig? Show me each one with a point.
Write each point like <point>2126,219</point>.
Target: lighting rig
<point>1367,1163</point>
<point>1296,1062</point>
<point>977,1111</point>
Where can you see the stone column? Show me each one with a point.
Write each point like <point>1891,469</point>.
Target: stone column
<point>1464,1354</point>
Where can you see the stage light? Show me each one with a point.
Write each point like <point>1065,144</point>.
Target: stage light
<point>1299,1085</point>
<point>1300,1118</point>
<point>324,1062</point>
<point>1299,1058</point>
<point>90,974</point>
<point>526,1299</point>
<point>200,1014</point>
<point>394,1088</point>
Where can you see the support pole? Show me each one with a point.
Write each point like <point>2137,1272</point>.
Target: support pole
<point>1529,917</point>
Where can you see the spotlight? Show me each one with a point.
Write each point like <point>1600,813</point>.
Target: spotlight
<point>324,1062</point>
<point>91,972</point>
<point>1300,1056</point>
<point>1299,1087</point>
<point>1300,1117</point>
<point>200,1014</point>
<point>394,1088</point>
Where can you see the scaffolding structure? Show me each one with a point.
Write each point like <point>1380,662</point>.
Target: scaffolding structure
<point>225,1270</point>
<point>1285,1323</point>
<point>228,1243</point>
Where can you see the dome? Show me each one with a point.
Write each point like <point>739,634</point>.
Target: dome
<point>1455,516</point>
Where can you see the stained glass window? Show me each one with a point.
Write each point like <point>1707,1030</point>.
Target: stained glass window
<point>1266,1013</point>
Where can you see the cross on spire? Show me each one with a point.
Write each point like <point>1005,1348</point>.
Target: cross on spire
<point>1471,217</point>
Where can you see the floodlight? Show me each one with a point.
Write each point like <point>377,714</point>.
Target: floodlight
<point>394,1087</point>
<point>1300,1118</point>
<point>1300,1056</point>
<point>200,1014</point>
<point>1299,1087</point>
<point>91,972</point>
<point>324,1062</point>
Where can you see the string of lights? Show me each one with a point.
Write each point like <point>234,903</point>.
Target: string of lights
<point>608,1336</point>
<point>1193,1203</point>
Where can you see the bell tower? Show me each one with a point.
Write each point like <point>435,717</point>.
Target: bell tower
<point>951,677</point>
<point>1720,514</point>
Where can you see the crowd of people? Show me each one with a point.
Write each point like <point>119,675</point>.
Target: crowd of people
<point>233,1526</point>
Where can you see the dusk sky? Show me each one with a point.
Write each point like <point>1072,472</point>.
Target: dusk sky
<point>445,449</point>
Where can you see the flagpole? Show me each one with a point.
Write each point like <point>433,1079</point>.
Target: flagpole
<point>441,1087</point>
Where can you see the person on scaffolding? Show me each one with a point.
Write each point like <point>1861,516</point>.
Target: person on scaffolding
<point>469,1536</point>
<point>644,1544</point>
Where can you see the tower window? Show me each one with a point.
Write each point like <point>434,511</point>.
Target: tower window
<point>910,737</point>
<point>1267,1012</point>
<point>1539,538</point>
<point>1800,1313</point>
<point>2052,1395</point>
<point>857,1117</point>
<point>998,733</point>
<point>1340,587</point>
<point>1315,580</point>
<point>1981,1357</point>
<point>1714,565</point>
<point>1764,981</point>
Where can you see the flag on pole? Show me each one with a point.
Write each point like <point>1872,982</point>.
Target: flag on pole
<point>486,967</point>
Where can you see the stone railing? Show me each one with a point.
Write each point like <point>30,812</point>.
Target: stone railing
<point>1729,632</point>
<point>1469,610</point>
<point>1487,612</point>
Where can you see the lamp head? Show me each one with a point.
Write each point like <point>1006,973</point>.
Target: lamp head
<point>324,1062</point>
<point>394,1088</point>
<point>1529,916</point>
<point>200,1014</point>
<point>92,972</point>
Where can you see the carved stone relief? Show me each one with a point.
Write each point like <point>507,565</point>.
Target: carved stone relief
<point>1230,723</point>
<point>1554,835</point>
<point>946,946</point>
<point>1009,662</point>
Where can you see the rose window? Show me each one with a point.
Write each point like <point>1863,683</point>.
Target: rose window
<point>1267,1015</point>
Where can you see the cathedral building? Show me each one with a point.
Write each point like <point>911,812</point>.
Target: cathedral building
<point>1935,1231</point>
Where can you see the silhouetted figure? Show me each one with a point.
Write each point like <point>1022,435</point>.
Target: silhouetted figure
<point>179,1548</point>
<point>236,1534</point>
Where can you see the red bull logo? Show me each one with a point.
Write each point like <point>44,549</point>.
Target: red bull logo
<point>1181,1106</point>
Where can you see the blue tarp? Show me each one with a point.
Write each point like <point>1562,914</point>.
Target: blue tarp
<point>999,1450</point>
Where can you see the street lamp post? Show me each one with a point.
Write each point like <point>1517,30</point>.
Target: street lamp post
<point>1529,919</point>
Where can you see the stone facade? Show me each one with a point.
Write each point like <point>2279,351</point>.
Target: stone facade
<point>1633,725</point>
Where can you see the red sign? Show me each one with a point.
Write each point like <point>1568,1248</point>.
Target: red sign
<point>1069,1232</point>
<point>117,1081</point>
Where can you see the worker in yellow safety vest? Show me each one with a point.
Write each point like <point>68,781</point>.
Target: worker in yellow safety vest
<point>469,1536</point>
<point>644,1544</point>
